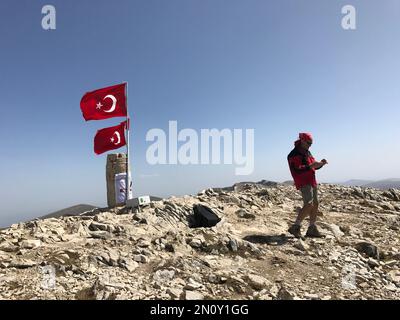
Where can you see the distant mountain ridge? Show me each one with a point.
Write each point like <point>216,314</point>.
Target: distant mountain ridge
<point>79,209</point>
<point>379,184</point>
<point>70,211</point>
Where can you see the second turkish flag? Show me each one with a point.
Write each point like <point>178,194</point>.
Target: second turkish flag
<point>104,103</point>
<point>110,138</point>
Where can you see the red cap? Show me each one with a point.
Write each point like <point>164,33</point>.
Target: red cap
<point>305,136</point>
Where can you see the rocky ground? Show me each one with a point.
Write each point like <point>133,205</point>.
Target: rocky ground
<point>153,254</point>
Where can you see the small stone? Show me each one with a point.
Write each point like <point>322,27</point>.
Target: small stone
<point>193,295</point>
<point>174,293</point>
<point>390,263</point>
<point>22,264</point>
<point>334,256</point>
<point>163,276</point>
<point>8,247</point>
<point>113,257</point>
<point>103,257</point>
<point>195,243</point>
<point>336,231</point>
<point>212,278</point>
<point>311,296</point>
<point>284,294</point>
<point>169,247</point>
<point>143,243</point>
<point>96,226</point>
<point>387,206</point>
<point>192,285</point>
<point>30,244</point>
<point>241,213</point>
<point>100,235</point>
<point>233,245</point>
<point>394,276</point>
<point>391,287</point>
<point>301,245</point>
<point>373,263</point>
<point>257,282</point>
<point>140,258</point>
<point>128,264</point>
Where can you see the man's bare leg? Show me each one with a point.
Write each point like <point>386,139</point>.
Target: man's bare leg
<point>313,214</point>
<point>312,229</point>
<point>304,213</point>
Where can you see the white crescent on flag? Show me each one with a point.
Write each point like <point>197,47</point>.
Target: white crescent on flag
<point>114,100</point>
<point>118,138</point>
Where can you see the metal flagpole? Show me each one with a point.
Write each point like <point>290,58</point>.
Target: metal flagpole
<point>127,145</point>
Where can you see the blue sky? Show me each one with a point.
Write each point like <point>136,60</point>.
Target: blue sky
<point>279,67</point>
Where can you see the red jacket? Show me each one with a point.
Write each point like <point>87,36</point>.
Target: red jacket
<point>299,161</point>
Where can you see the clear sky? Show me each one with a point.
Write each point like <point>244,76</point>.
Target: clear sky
<point>279,67</point>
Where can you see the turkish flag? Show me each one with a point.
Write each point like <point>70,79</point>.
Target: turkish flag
<point>104,103</point>
<point>110,138</point>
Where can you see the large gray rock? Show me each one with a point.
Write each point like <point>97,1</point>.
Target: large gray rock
<point>368,249</point>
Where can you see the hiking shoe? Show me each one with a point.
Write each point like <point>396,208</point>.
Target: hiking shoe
<point>295,230</point>
<point>313,232</point>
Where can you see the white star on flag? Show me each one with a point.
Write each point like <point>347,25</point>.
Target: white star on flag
<point>99,105</point>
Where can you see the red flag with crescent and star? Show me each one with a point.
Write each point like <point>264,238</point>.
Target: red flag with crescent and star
<point>110,138</point>
<point>104,103</point>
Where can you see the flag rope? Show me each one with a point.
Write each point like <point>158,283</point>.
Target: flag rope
<point>127,145</point>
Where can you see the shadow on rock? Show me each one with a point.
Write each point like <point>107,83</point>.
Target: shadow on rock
<point>277,240</point>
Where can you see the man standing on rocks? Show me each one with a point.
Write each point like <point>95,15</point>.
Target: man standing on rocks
<point>302,167</point>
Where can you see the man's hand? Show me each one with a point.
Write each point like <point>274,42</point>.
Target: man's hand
<point>318,165</point>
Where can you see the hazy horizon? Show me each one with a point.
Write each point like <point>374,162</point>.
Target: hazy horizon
<point>279,67</point>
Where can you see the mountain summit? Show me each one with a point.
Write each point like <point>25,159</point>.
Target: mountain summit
<point>152,253</point>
